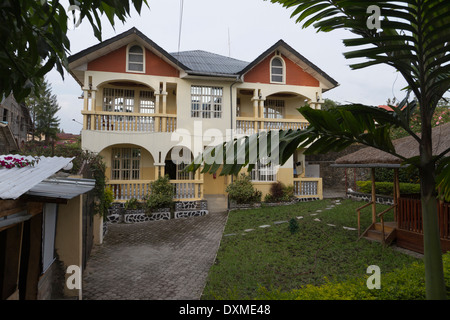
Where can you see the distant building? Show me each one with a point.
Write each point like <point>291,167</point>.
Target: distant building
<point>17,117</point>
<point>66,138</point>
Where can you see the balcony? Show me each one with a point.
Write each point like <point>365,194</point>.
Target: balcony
<point>129,122</point>
<point>248,125</point>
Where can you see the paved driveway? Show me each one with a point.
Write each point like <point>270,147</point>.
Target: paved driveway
<point>154,260</point>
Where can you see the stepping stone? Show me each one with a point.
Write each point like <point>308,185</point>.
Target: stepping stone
<point>229,235</point>
<point>280,222</point>
<point>331,225</point>
<point>248,230</point>
<point>265,226</point>
<point>300,217</point>
<point>347,228</point>
<point>316,219</point>
<point>319,211</point>
<point>313,214</point>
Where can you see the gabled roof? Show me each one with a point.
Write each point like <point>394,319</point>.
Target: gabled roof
<point>133,32</point>
<point>207,63</point>
<point>198,62</point>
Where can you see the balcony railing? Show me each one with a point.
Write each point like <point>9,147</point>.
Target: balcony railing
<point>124,190</point>
<point>130,122</point>
<point>308,188</point>
<point>246,125</point>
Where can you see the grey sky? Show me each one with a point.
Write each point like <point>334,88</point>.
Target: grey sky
<point>253,26</point>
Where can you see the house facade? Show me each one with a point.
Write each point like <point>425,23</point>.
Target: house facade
<point>145,109</point>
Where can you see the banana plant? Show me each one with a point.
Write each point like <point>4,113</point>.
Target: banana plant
<point>413,37</point>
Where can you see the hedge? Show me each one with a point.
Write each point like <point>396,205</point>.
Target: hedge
<point>402,284</point>
<point>387,188</point>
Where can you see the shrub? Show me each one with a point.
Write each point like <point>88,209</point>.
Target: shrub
<point>293,226</point>
<point>132,204</point>
<point>402,284</point>
<point>161,194</point>
<point>387,188</point>
<point>279,193</point>
<point>242,191</point>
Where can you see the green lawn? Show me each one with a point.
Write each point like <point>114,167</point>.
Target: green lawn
<point>274,258</point>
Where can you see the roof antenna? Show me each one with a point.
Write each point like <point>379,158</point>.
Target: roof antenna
<point>229,43</point>
<point>181,23</point>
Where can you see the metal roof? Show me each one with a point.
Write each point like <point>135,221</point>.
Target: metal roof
<point>207,63</point>
<point>16,181</point>
<point>62,188</point>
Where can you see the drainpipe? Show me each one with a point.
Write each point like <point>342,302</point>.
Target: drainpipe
<point>238,79</point>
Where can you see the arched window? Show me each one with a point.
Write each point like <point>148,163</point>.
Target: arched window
<point>135,59</point>
<point>277,70</point>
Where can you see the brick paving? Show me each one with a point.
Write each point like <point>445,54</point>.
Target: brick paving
<point>156,260</point>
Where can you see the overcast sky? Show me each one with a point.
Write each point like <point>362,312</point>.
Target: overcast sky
<point>242,29</point>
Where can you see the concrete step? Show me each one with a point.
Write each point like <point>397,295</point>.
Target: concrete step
<point>216,202</point>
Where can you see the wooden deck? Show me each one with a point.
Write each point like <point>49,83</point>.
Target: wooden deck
<point>407,229</point>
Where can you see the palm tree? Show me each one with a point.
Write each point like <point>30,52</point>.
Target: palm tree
<point>414,39</point>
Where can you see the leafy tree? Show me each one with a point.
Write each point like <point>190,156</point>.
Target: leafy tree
<point>414,40</point>
<point>328,103</point>
<point>33,37</point>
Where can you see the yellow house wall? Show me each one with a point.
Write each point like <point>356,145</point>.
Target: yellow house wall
<point>68,240</point>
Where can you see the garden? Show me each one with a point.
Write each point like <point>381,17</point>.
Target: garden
<point>309,250</point>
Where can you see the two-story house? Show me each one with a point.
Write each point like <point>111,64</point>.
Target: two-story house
<point>142,103</point>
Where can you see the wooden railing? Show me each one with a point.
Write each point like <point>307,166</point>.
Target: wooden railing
<point>124,190</point>
<point>248,125</point>
<point>129,122</point>
<point>308,187</point>
<point>381,216</point>
<point>358,211</point>
<point>409,216</point>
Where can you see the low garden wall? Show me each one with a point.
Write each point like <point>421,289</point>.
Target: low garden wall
<point>182,209</point>
<point>380,199</point>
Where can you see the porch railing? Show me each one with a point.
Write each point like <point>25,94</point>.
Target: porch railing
<point>124,190</point>
<point>409,216</point>
<point>130,122</point>
<point>248,125</point>
<point>308,188</point>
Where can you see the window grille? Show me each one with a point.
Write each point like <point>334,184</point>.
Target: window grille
<point>147,102</point>
<point>136,59</point>
<point>118,100</point>
<point>277,70</point>
<point>206,102</point>
<point>126,164</point>
<point>273,109</point>
<point>263,172</point>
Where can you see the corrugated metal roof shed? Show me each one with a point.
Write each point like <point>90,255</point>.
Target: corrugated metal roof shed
<point>210,63</point>
<point>16,181</point>
<point>62,188</point>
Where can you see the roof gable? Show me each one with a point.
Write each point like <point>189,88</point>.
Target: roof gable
<point>294,57</point>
